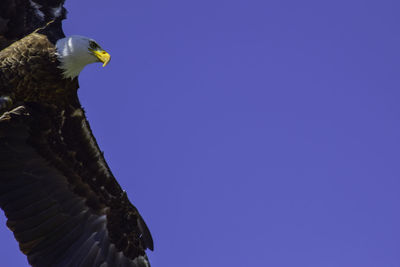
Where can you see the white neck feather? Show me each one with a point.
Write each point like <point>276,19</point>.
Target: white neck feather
<point>73,53</point>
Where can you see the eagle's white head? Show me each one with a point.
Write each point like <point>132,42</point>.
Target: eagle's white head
<point>75,52</point>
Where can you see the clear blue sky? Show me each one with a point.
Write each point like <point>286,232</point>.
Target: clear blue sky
<point>250,133</point>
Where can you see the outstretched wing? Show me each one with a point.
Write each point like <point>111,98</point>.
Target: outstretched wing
<point>21,17</point>
<point>63,205</point>
<point>62,202</point>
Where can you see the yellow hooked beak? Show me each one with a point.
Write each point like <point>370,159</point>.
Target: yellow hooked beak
<point>102,55</point>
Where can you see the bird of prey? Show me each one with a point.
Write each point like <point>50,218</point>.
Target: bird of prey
<point>61,200</point>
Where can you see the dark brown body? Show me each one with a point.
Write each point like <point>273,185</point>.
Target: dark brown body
<point>55,187</point>
<point>29,72</point>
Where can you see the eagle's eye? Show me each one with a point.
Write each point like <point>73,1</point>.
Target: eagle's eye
<point>93,45</point>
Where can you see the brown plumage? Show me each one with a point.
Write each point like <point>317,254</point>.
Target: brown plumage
<point>29,72</point>
<point>62,202</point>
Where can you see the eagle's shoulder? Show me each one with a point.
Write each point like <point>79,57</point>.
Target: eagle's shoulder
<point>29,71</point>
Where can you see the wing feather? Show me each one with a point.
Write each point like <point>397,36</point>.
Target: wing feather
<point>53,224</point>
<point>21,17</point>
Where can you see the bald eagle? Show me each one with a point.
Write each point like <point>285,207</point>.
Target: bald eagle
<point>61,200</point>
